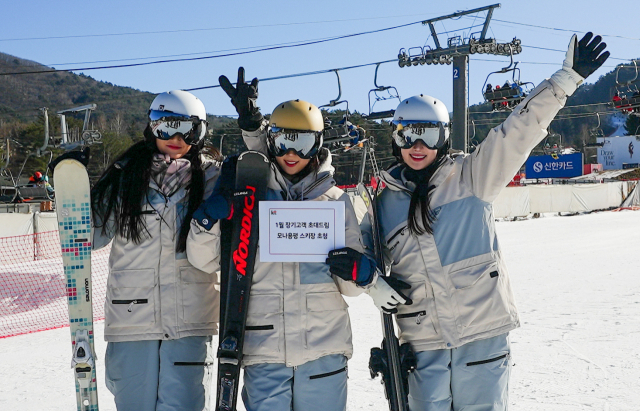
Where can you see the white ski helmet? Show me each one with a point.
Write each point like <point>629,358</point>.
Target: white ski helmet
<point>178,112</point>
<point>421,118</point>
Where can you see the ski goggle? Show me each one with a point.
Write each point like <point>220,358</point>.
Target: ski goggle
<point>432,134</point>
<point>304,143</point>
<point>166,125</point>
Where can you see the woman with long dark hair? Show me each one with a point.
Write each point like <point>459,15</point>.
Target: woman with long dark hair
<point>160,311</point>
<point>437,224</point>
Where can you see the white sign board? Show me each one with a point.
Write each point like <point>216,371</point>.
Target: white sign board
<point>300,231</point>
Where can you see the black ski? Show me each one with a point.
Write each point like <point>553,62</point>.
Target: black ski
<point>238,251</point>
<point>386,360</point>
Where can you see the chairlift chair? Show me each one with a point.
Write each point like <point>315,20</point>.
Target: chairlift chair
<point>506,98</point>
<point>627,95</point>
<point>597,132</point>
<point>391,93</point>
<point>333,135</point>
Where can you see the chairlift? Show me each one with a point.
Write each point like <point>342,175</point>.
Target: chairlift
<point>511,94</point>
<point>87,137</point>
<point>597,132</point>
<point>391,93</point>
<point>471,146</point>
<point>340,132</point>
<point>627,95</point>
<point>554,149</point>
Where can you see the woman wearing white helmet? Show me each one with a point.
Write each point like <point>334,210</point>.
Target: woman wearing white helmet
<point>298,334</point>
<point>437,223</point>
<point>160,311</point>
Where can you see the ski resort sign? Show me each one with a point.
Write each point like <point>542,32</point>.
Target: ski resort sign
<point>300,231</point>
<point>560,166</point>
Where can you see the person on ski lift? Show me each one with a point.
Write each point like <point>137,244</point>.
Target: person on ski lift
<point>437,222</point>
<point>295,354</point>
<point>35,178</point>
<point>160,311</point>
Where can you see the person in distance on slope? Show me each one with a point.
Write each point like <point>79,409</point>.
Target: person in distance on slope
<point>298,335</point>
<point>437,222</point>
<point>160,311</point>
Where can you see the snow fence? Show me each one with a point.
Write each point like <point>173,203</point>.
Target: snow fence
<point>32,282</point>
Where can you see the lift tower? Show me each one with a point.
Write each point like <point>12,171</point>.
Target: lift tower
<point>457,51</point>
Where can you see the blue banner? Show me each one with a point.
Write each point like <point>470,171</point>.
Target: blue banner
<point>560,166</point>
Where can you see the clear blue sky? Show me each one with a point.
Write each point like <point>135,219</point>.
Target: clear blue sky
<point>91,33</point>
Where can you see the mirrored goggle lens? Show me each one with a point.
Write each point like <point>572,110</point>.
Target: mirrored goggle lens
<point>302,142</point>
<point>165,130</point>
<point>428,133</point>
<point>168,116</point>
<point>166,125</point>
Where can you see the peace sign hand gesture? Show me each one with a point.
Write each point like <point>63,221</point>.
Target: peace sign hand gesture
<point>243,97</point>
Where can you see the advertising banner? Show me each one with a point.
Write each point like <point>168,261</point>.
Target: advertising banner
<point>619,152</point>
<point>560,166</point>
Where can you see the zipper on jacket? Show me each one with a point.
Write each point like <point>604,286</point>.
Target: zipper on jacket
<point>418,315</point>
<point>400,231</point>
<point>525,109</point>
<point>469,364</point>
<point>258,327</point>
<point>328,374</point>
<point>130,302</point>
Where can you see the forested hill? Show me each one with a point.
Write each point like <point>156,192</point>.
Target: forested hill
<point>22,95</point>
<point>120,116</point>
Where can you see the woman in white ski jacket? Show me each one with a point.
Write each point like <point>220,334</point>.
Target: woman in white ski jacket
<point>437,222</point>
<point>160,311</point>
<point>298,334</point>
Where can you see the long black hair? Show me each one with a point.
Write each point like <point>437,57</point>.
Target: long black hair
<point>423,223</point>
<point>120,193</point>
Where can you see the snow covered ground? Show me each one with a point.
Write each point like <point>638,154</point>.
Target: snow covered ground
<point>578,291</point>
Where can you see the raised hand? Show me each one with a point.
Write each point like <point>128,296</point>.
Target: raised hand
<point>244,97</point>
<point>582,59</point>
<point>586,56</point>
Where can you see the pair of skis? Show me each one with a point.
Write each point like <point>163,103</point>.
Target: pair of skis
<point>391,361</point>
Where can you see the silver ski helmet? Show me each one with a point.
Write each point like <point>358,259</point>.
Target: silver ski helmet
<point>178,112</point>
<point>421,118</point>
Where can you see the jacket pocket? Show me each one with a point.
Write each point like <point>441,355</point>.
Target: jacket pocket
<point>264,322</point>
<point>469,276</point>
<point>416,320</point>
<point>200,299</point>
<point>130,298</point>
<point>328,326</point>
<point>483,299</point>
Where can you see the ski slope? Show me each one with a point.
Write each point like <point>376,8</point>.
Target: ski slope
<point>578,291</point>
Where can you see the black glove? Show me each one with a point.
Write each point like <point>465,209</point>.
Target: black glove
<point>243,97</point>
<point>588,56</point>
<point>351,265</point>
<point>582,59</point>
<point>219,205</point>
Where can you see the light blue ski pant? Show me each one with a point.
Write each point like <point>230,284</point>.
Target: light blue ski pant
<point>167,375</point>
<point>319,385</point>
<point>474,377</point>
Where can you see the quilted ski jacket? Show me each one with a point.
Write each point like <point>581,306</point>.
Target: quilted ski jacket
<point>153,293</point>
<point>296,310</point>
<point>460,286</point>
